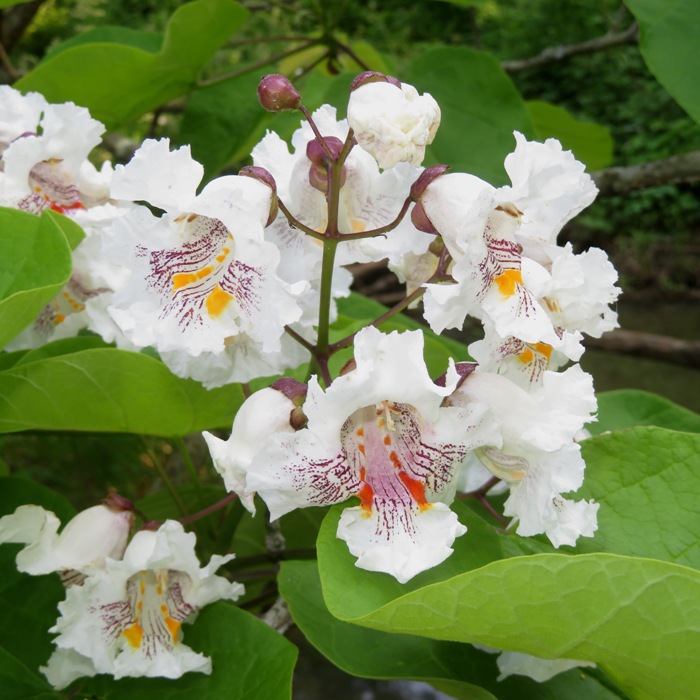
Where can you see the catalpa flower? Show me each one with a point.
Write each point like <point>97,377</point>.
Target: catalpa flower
<point>378,433</point>
<point>126,618</point>
<point>368,200</point>
<point>86,541</point>
<point>502,242</point>
<point>203,278</point>
<point>391,120</point>
<point>537,456</point>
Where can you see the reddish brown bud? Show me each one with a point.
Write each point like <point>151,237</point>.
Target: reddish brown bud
<point>319,157</point>
<point>264,176</point>
<point>425,178</point>
<point>298,419</point>
<point>117,502</point>
<point>420,219</point>
<point>371,76</point>
<point>294,390</point>
<point>276,93</point>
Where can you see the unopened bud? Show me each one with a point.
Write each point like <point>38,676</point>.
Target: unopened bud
<point>294,390</point>
<point>320,158</point>
<point>264,176</point>
<point>117,502</point>
<point>436,246</point>
<point>297,418</point>
<point>420,219</point>
<point>276,93</point>
<point>425,178</point>
<point>372,76</point>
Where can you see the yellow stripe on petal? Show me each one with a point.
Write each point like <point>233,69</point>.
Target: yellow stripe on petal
<point>173,626</point>
<point>217,301</point>
<point>544,349</point>
<point>182,279</point>
<point>134,635</point>
<point>508,281</point>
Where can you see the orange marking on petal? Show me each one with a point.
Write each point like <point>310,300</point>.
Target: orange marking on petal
<point>191,218</point>
<point>526,356</point>
<point>182,279</point>
<point>217,301</point>
<point>139,605</point>
<point>366,495</point>
<point>134,634</point>
<point>173,626</point>
<point>387,440</point>
<point>360,431</point>
<point>363,473</point>
<point>58,318</point>
<point>164,608</point>
<point>358,226</point>
<point>416,489</point>
<point>544,349</point>
<point>142,587</point>
<point>508,281</point>
<point>395,460</point>
<point>361,447</point>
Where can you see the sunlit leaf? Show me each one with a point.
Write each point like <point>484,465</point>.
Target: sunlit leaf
<point>119,82</point>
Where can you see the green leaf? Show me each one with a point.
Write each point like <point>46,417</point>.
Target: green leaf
<point>355,649</point>
<point>480,110</point>
<point>669,45</point>
<point>250,662</point>
<point>109,390</point>
<point>10,3</point>
<point>637,618</point>
<point>19,683</point>
<point>627,408</point>
<point>219,120</point>
<point>646,480</point>
<point>457,669</point>
<point>119,82</point>
<point>591,143</point>
<point>35,264</point>
<point>148,41</point>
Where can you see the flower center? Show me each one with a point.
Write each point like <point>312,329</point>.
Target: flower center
<point>383,440</point>
<point>52,188</point>
<point>157,610</point>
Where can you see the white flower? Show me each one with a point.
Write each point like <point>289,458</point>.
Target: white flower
<point>537,457</point>
<point>262,415</point>
<point>393,123</point>
<point>126,618</point>
<point>379,433</point>
<point>368,200</point>
<point>85,542</point>
<point>19,114</point>
<point>507,269</point>
<point>203,279</point>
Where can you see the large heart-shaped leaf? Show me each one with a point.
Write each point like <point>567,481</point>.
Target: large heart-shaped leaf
<point>119,82</point>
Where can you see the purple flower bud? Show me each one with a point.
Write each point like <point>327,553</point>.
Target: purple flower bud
<point>420,219</point>
<point>372,76</point>
<point>425,178</point>
<point>316,153</point>
<point>276,93</point>
<point>294,390</point>
<point>117,502</point>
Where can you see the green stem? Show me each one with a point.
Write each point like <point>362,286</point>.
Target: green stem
<point>157,465</point>
<point>189,464</point>
<point>295,223</point>
<point>253,66</point>
<point>390,313</point>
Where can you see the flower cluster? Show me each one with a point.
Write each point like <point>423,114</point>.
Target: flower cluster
<point>238,281</point>
<point>125,600</point>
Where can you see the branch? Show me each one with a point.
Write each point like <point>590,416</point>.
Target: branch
<point>15,21</point>
<point>683,168</point>
<point>554,54</point>
<point>655,347</point>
